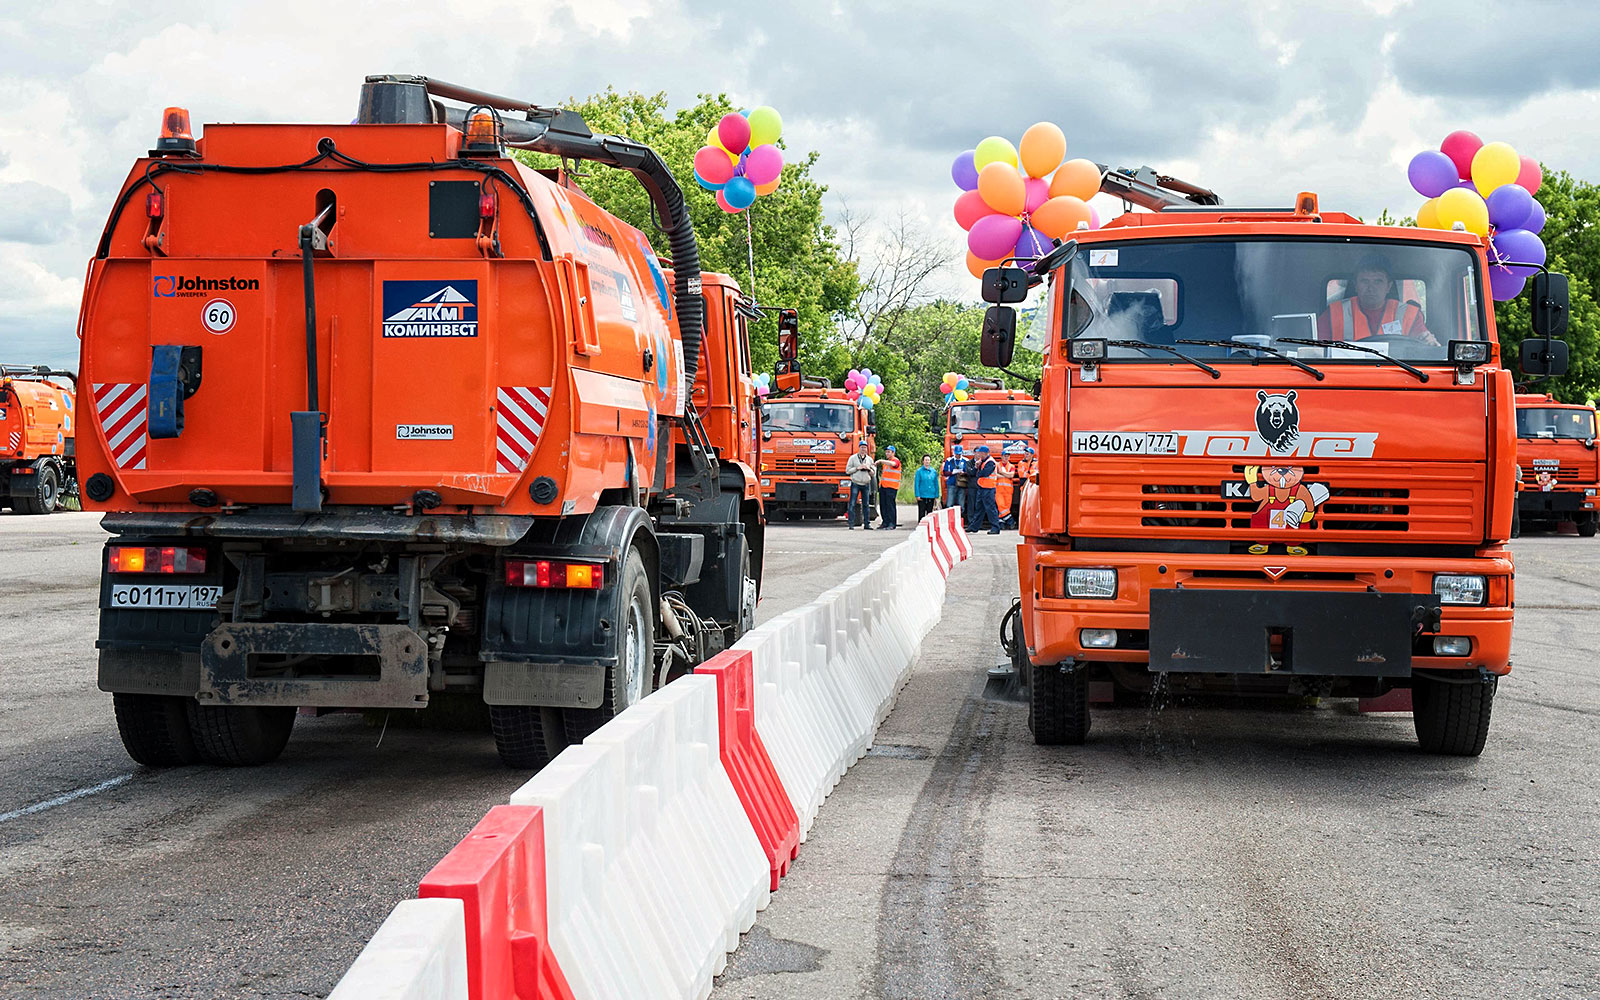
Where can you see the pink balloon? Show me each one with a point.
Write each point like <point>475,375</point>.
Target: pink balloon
<point>722,203</point>
<point>1531,176</point>
<point>993,236</point>
<point>734,131</point>
<point>713,164</point>
<point>1094,217</point>
<point>1461,146</point>
<point>764,165</point>
<point>970,208</point>
<point>1036,192</point>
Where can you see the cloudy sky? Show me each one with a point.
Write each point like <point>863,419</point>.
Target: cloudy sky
<point>1256,100</point>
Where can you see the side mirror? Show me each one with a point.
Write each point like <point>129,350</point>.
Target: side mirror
<point>1550,304</point>
<point>999,336</point>
<point>788,372</point>
<point>1056,257</point>
<point>1544,357</point>
<point>1005,284</point>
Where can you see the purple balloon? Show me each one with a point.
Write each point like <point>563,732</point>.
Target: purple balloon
<point>1509,206</point>
<point>1504,284</point>
<point>1535,223</point>
<point>1032,243</point>
<point>993,236</point>
<point>964,172</point>
<point>1432,173</point>
<point>1520,246</point>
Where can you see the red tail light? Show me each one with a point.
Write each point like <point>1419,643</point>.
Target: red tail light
<point>554,575</point>
<point>486,203</point>
<point>156,559</point>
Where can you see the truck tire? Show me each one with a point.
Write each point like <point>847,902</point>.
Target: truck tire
<point>527,737</point>
<point>630,679</point>
<point>1058,706</point>
<point>1586,527</point>
<point>46,492</point>
<point>1452,717</point>
<point>747,599</point>
<point>155,729</point>
<point>240,735</point>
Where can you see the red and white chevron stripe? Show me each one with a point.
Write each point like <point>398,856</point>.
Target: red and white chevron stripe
<point>520,414</point>
<point>123,415</point>
<point>16,441</point>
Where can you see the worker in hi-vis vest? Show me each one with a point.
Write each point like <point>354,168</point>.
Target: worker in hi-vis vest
<point>985,512</point>
<point>1372,311</point>
<point>889,488</point>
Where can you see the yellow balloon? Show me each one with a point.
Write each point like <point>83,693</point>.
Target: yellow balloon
<point>1496,163</point>
<point>961,395</point>
<point>1043,148</point>
<point>1428,214</point>
<point>766,125</point>
<point>712,139</point>
<point>994,150</point>
<point>1463,206</point>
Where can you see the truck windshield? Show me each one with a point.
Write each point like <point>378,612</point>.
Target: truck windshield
<point>1405,300</point>
<point>1554,422</point>
<point>995,418</point>
<point>826,418</point>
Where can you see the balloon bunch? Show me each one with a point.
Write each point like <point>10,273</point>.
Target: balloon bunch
<point>740,159</point>
<point>1011,204</point>
<point>1488,189</point>
<point>954,388</point>
<point>864,387</point>
<point>762,382</point>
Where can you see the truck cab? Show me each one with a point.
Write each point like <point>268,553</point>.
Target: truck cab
<point>1007,420</point>
<point>38,443</point>
<point>1277,453</point>
<point>807,437</point>
<point>1558,462</point>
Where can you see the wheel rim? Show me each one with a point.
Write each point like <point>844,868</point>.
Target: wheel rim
<point>747,605</point>
<point>49,489</point>
<point>635,652</point>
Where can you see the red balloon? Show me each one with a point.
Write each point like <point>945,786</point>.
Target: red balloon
<point>734,131</point>
<point>1461,146</point>
<point>722,203</point>
<point>970,208</point>
<point>1531,176</point>
<point>713,164</point>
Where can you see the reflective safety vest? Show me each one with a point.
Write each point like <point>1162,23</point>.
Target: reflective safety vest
<point>889,474</point>
<point>1349,320</point>
<point>986,479</point>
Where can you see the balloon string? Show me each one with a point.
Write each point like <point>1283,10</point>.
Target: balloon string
<point>750,245</point>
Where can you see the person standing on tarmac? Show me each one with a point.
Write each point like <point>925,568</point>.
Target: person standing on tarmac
<point>1005,490</point>
<point>925,485</point>
<point>860,470</point>
<point>1025,470</point>
<point>955,485</point>
<point>984,471</point>
<point>889,489</point>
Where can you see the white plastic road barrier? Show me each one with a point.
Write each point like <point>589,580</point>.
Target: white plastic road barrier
<point>654,868</point>
<point>420,953</point>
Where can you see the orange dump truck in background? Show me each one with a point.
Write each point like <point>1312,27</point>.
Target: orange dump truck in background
<point>37,446</point>
<point>1234,496</point>
<point>1559,462</point>
<point>807,437</point>
<point>1007,420</point>
<point>421,421</point>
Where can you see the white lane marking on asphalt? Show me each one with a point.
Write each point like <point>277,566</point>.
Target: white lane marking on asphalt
<point>61,800</point>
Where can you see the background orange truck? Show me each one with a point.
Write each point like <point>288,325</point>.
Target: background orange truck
<point>1235,495</point>
<point>1559,463</point>
<point>37,446</point>
<point>421,422</point>
<point>1007,420</point>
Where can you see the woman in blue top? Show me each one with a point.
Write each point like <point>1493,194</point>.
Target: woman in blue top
<point>926,487</point>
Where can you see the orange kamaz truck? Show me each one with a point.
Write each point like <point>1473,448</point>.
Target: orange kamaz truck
<point>1559,463</point>
<point>1261,469</point>
<point>37,437</point>
<point>1007,420</point>
<point>807,436</point>
<point>410,420</point>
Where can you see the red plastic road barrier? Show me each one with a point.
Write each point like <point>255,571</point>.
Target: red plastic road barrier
<point>498,874</point>
<point>942,550</point>
<point>745,759</point>
<point>958,532</point>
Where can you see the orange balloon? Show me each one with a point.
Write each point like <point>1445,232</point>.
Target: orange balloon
<point>1001,188</point>
<point>1042,150</point>
<point>1079,178</point>
<point>977,265</point>
<point>769,187</point>
<point>1060,216</point>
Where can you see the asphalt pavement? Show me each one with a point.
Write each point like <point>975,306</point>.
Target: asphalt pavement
<point>1187,851</point>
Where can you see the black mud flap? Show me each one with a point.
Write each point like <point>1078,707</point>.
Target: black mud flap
<point>393,658</point>
<point>1289,632</point>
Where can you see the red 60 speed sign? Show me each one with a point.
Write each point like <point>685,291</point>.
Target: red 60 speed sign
<point>218,315</point>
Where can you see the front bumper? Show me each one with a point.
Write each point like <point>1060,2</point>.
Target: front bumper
<point>801,494</point>
<point>1539,503</point>
<point>1339,616</point>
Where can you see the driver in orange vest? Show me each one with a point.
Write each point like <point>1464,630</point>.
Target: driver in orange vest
<point>1370,312</point>
<point>889,489</point>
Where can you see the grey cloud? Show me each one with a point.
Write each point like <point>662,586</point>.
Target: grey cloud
<point>33,213</point>
<point>1500,52</point>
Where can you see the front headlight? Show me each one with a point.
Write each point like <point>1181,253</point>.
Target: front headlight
<point>1092,583</point>
<point>1451,588</point>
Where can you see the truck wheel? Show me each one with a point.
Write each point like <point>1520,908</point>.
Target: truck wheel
<point>1058,706</point>
<point>46,491</point>
<point>629,680</point>
<point>747,599</point>
<point>240,735</point>
<point>155,729</point>
<point>1586,527</point>
<point>1452,718</point>
<point>527,736</point>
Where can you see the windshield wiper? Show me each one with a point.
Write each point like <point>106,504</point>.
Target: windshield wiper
<point>1344,345</point>
<point>1141,345</point>
<point>1231,344</point>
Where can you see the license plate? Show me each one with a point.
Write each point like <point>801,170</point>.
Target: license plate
<point>1119,443</point>
<point>161,596</point>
